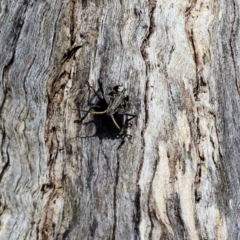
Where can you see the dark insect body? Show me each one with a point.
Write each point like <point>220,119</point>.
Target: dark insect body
<point>112,103</point>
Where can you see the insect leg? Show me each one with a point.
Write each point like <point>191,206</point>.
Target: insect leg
<point>87,112</point>
<point>101,87</point>
<point>114,121</point>
<point>107,97</point>
<point>132,116</point>
<point>93,112</point>
<point>95,92</point>
<point>124,136</point>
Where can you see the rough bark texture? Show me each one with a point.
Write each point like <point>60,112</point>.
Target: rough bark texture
<point>62,179</point>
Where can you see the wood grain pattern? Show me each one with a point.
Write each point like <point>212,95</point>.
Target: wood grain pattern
<point>63,179</point>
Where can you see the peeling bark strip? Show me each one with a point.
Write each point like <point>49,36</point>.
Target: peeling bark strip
<point>62,179</point>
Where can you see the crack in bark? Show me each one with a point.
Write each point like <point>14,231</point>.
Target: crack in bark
<point>190,34</point>
<point>145,43</point>
<point>150,211</point>
<point>195,57</point>
<point>152,5</point>
<point>6,89</point>
<point>72,21</point>
<point>137,216</point>
<point>197,181</point>
<point>233,31</point>
<point>69,54</point>
<point>6,165</point>
<point>115,200</point>
<point>146,104</point>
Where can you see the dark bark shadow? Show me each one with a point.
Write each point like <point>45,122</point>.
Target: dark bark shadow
<point>105,127</point>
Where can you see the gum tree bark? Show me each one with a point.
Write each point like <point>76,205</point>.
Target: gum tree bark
<point>65,179</point>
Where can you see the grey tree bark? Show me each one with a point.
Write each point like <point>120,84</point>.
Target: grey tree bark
<point>64,179</point>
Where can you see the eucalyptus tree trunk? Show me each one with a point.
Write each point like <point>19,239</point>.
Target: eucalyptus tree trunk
<point>63,178</point>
